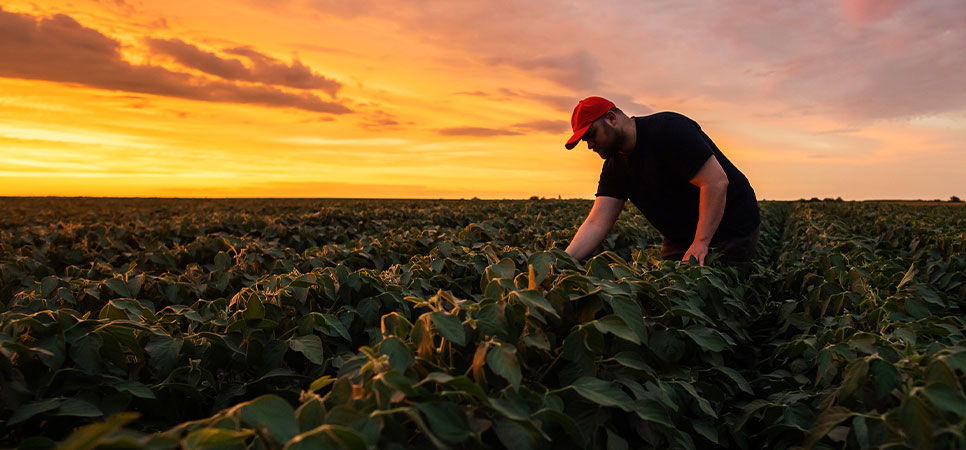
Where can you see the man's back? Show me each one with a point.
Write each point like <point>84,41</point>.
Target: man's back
<point>656,175</point>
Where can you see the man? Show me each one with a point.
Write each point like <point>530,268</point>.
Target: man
<point>676,177</point>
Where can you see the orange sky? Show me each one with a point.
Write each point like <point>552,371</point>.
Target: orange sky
<point>314,98</point>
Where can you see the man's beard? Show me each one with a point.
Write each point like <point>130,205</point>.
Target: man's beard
<point>617,149</point>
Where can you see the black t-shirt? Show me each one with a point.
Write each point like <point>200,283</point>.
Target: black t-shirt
<point>655,177</point>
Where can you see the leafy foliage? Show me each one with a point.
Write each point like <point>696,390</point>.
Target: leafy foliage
<point>415,324</point>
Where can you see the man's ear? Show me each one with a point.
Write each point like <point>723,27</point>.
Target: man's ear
<point>611,118</point>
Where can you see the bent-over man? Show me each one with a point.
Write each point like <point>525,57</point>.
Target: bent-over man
<point>675,175</point>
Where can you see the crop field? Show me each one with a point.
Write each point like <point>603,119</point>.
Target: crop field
<point>393,324</point>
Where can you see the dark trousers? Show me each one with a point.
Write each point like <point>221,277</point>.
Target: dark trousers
<point>733,252</point>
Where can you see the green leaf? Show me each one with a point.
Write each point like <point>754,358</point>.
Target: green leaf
<point>48,285</point>
<point>534,299</point>
<point>309,346</point>
<point>215,438</point>
<point>502,360</point>
<point>861,431</point>
<point>504,269</point>
<point>510,409</point>
<point>706,428</point>
<point>915,422</point>
<point>541,262</point>
<point>666,345</point>
<point>886,377</point>
<point>947,398</point>
<point>447,420</point>
<point>274,414</point>
<point>254,309</point>
<point>32,409</point>
<point>400,357</point>
<point>449,326</point>
<point>165,352</point>
<point>614,441</point>
<point>616,326</point>
<point>336,324</point>
<point>702,402</point>
<point>222,261</point>
<point>514,435</point>
<point>825,422</point>
<point>135,388</point>
<point>653,412</point>
<point>536,338</point>
<point>630,312</point>
<point>328,437</point>
<point>90,436</point>
<point>460,383</point>
<point>85,351</point>
<point>119,287</point>
<point>310,415</point>
<point>633,360</point>
<point>707,338</point>
<point>736,377</point>
<point>604,393</point>
<point>321,382</point>
<point>855,373</point>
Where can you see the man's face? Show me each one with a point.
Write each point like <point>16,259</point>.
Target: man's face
<point>602,138</point>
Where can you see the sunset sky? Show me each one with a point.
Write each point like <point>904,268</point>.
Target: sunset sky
<point>862,99</point>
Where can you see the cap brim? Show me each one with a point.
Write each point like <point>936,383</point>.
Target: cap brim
<point>578,133</point>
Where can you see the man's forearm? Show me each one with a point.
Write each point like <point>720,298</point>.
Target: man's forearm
<point>588,237</point>
<point>711,206</point>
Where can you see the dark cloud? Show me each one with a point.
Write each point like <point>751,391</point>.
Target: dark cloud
<point>263,69</point>
<point>60,49</point>
<point>379,120</point>
<point>477,132</point>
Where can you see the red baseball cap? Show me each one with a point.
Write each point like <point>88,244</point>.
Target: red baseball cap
<point>585,113</point>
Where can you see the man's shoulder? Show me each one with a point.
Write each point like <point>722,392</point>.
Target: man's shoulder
<point>659,128</point>
<point>663,119</point>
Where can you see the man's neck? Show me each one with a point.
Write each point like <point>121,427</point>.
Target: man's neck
<point>630,133</point>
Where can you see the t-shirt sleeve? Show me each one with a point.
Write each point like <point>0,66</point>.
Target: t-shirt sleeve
<point>611,183</point>
<point>686,148</point>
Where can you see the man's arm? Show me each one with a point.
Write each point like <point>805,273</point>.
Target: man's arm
<point>595,228</point>
<point>713,182</point>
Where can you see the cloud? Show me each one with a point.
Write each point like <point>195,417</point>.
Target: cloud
<point>558,102</point>
<point>58,48</point>
<point>577,70</point>
<point>545,126</point>
<point>378,120</point>
<point>268,70</point>
<point>319,48</point>
<point>836,59</point>
<point>477,132</point>
<point>474,93</point>
<point>264,69</point>
<point>517,129</point>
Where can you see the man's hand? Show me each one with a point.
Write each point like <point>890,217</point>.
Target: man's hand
<point>698,250</point>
